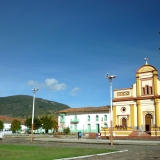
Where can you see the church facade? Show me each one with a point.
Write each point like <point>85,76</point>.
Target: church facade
<point>138,107</point>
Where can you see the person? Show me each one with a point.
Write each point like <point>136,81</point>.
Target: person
<point>78,135</point>
<point>99,135</point>
<point>96,135</point>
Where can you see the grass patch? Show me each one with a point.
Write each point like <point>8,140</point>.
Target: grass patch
<point>19,152</point>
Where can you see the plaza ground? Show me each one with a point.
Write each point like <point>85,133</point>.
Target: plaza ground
<point>137,149</point>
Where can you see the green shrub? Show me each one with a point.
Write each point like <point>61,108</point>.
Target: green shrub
<point>66,130</point>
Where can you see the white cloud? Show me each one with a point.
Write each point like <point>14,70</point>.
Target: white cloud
<point>74,91</point>
<point>32,83</point>
<point>50,83</point>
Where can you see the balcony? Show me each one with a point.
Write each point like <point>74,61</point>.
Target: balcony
<point>75,121</point>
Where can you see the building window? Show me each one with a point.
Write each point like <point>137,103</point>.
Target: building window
<point>123,109</point>
<point>75,117</point>
<point>105,117</point>
<point>75,127</point>
<point>150,90</point>
<point>88,118</point>
<point>97,118</point>
<point>146,90</point>
<point>62,117</point>
<point>143,90</point>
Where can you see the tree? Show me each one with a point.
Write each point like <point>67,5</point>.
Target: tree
<point>47,122</point>
<point>15,125</point>
<point>55,125</point>
<point>1,125</point>
<point>37,123</point>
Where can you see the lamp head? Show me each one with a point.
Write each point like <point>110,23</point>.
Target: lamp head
<point>35,90</point>
<point>110,77</point>
<point>107,75</point>
<point>113,76</point>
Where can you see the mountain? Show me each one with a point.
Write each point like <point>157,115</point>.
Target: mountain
<point>21,106</point>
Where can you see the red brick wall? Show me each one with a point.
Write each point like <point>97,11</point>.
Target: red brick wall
<point>92,135</point>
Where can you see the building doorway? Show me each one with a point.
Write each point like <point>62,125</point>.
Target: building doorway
<point>124,122</point>
<point>89,128</point>
<point>148,118</point>
<point>75,128</point>
<point>97,128</point>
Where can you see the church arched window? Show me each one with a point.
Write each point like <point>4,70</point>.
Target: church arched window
<point>147,89</point>
<point>143,90</point>
<point>150,90</point>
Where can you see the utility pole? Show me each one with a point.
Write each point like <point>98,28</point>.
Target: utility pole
<point>34,94</point>
<point>110,78</point>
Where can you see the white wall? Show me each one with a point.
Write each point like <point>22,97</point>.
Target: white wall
<point>83,120</point>
<point>7,127</point>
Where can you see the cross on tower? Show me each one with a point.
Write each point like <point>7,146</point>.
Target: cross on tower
<point>146,59</point>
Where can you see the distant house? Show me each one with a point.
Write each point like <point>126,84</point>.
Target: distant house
<point>88,119</point>
<point>7,123</point>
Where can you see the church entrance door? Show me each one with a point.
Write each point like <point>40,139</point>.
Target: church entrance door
<point>148,118</point>
<point>124,122</point>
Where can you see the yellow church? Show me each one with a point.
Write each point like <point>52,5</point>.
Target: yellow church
<point>138,108</point>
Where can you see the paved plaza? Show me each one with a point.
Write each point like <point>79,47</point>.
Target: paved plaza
<point>136,149</point>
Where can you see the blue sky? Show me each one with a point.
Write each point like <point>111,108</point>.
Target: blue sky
<point>66,47</point>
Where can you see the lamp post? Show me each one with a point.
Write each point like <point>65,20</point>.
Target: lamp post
<point>110,77</point>
<point>34,93</point>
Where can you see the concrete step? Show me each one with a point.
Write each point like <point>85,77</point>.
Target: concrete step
<point>139,134</point>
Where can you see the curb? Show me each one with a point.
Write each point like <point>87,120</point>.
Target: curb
<point>101,154</point>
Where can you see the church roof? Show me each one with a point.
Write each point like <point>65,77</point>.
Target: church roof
<point>146,67</point>
<point>86,109</point>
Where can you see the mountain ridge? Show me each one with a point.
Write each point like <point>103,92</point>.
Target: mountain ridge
<point>20,106</point>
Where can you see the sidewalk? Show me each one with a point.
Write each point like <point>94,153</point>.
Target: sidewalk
<point>95,141</point>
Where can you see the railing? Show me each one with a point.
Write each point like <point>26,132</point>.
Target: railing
<point>120,127</point>
<point>74,121</point>
<point>117,128</point>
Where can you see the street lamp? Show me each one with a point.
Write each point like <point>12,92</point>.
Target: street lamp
<point>34,92</point>
<point>111,128</point>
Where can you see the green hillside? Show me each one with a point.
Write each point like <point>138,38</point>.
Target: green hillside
<point>21,106</point>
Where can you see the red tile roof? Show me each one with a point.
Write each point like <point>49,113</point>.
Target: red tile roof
<point>86,109</point>
<point>7,119</point>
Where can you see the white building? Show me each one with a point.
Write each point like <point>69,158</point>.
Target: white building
<point>7,123</point>
<point>88,119</point>
<point>7,127</point>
